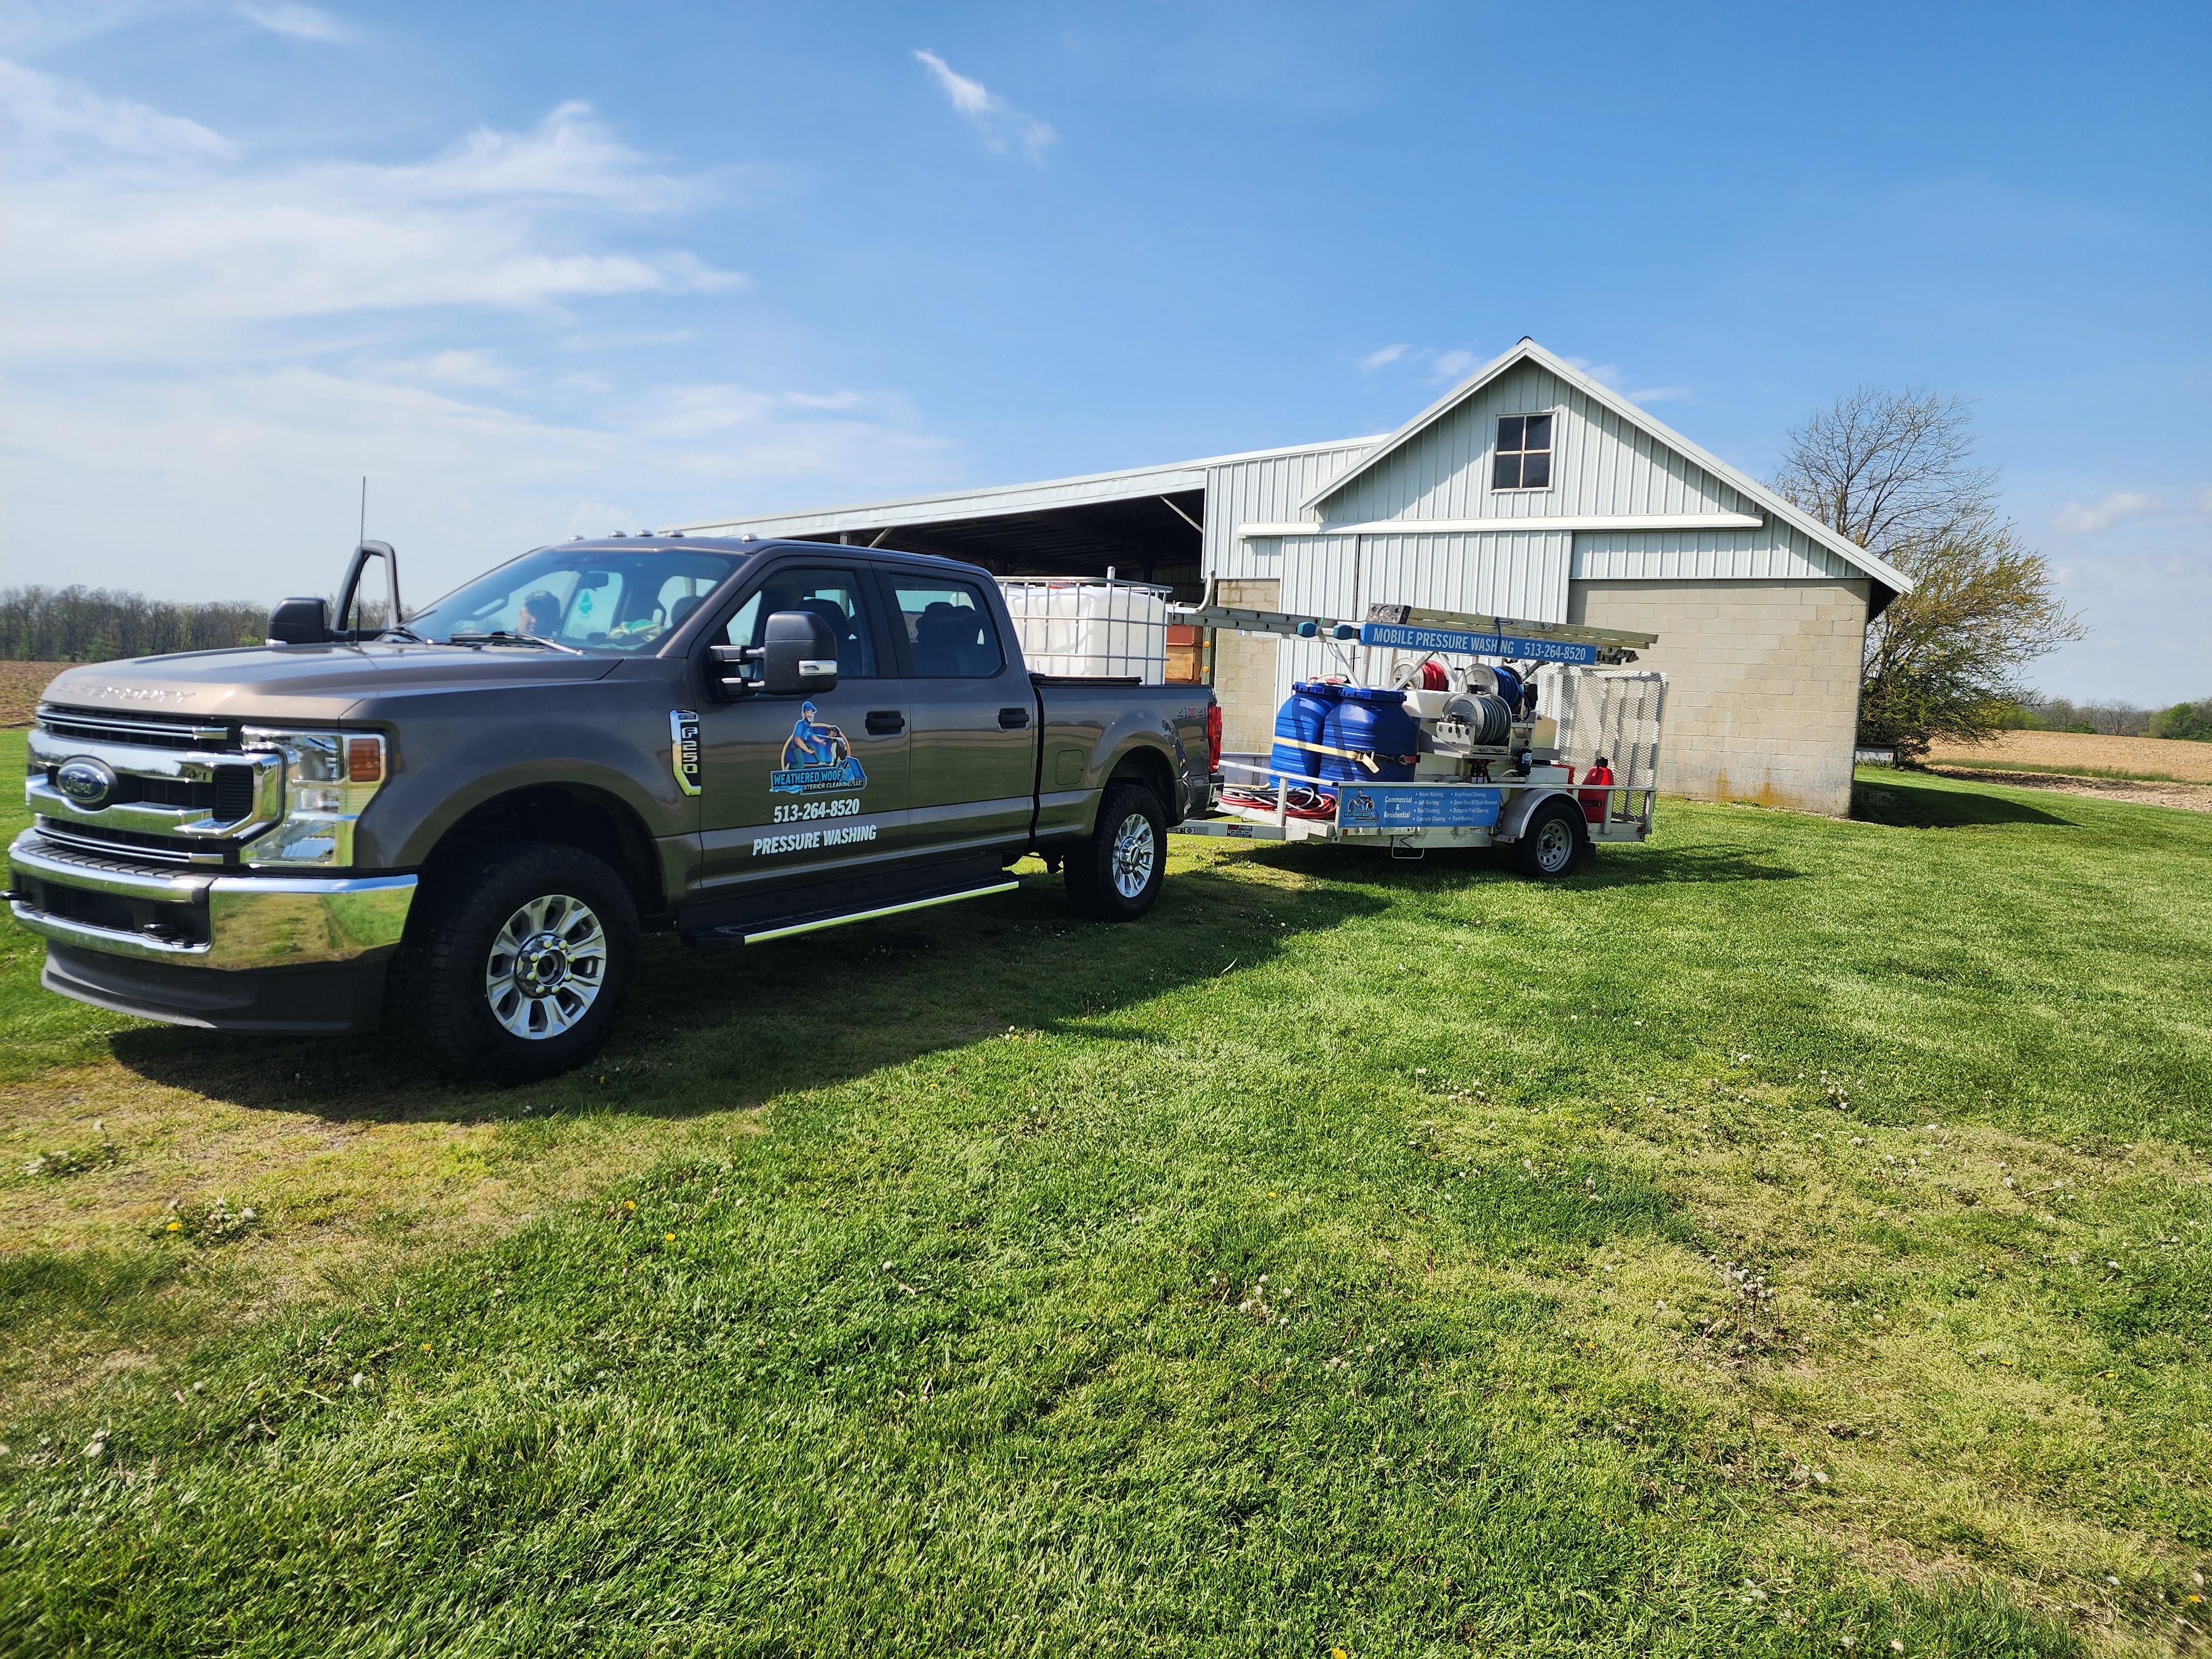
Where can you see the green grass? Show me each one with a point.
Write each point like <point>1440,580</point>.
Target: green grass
<point>1708,1254</point>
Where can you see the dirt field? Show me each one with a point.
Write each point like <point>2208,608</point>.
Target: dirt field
<point>2029,751</point>
<point>20,685</point>
<point>2191,797</point>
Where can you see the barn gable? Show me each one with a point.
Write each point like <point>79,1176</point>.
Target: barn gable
<point>1628,488</point>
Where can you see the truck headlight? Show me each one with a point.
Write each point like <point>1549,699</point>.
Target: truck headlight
<point>330,778</point>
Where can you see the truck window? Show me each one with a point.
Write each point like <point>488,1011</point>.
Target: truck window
<point>948,630</point>
<point>833,595</point>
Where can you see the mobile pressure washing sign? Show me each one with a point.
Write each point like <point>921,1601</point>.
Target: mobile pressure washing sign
<point>1411,636</point>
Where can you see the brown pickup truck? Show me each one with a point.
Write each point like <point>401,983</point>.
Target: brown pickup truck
<point>473,815</point>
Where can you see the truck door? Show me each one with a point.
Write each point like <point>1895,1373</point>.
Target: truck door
<point>974,758</point>
<point>811,787</point>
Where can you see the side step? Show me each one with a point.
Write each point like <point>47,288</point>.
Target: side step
<point>731,935</point>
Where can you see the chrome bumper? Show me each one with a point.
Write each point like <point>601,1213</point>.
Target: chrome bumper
<point>220,922</point>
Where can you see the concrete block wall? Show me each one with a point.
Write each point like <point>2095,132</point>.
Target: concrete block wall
<point>1762,680</point>
<point>1245,669</point>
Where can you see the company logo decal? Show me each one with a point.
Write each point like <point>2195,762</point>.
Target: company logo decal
<point>816,760</point>
<point>86,781</point>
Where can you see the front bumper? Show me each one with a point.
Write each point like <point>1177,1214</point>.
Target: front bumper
<point>238,952</point>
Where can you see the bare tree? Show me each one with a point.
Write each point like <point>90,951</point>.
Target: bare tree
<point>1894,471</point>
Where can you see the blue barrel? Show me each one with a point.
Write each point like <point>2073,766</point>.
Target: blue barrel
<point>1302,718</point>
<point>1371,722</point>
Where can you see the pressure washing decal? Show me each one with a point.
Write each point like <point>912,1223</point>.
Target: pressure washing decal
<point>1405,636</point>
<point>816,760</point>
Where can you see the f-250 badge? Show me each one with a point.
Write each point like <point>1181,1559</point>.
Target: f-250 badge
<point>816,760</point>
<point>684,748</point>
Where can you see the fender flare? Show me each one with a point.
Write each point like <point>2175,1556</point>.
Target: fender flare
<point>1514,817</point>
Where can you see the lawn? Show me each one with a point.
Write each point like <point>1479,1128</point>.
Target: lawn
<point>1785,1238</point>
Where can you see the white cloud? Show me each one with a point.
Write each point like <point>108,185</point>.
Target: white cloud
<point>1383,357</point>
<point>459,368</point>
<point>301,23</point>
<point>253,477</point>
<point>997,120</point>
<point>1455,365</point>
<point>111,260</point>
<point>2077,520</point>
<point>1659,394</point>
<point>221,346</point>
<point>2204,501</point>
<point>44,108</point>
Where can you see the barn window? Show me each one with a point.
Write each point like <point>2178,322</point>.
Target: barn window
<point>1524,452</point>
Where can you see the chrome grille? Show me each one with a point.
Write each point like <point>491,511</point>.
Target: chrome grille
<point>160,731</point>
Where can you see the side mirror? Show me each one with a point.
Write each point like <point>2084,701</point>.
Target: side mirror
<point>798,652</point>
<point>348,620</point>
<point>299,622</point>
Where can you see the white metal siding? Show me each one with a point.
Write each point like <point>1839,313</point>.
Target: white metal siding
<point>1264,491</point>
<point>1601,463</point>
<point>1776,551</point>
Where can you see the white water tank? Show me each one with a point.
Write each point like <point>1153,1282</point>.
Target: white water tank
<point>1091,628</point>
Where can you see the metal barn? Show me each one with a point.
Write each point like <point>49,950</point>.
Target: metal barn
<point>1528,490</point>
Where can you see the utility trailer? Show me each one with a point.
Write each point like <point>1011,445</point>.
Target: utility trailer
<point>1480,777</point>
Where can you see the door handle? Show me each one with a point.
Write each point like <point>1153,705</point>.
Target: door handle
<point>1012,719</point>
<point>885,722</point>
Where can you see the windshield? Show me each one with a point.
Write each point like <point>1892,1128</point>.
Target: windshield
<point>586,599</point>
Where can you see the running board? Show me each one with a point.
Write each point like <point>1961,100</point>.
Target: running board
<point>820,923</point>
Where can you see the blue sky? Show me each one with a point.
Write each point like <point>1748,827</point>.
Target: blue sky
<point>547,268</point>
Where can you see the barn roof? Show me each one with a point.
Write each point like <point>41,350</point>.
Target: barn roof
<point>1528,351</point>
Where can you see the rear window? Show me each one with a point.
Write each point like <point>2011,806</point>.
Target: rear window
<point>948,630</point>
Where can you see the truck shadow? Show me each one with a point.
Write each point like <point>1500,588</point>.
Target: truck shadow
<point>707,1034</point>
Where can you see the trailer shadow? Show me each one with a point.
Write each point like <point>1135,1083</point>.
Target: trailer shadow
<point>1671,864</point>
<point>705,1034</point>
<point>1901,805</point>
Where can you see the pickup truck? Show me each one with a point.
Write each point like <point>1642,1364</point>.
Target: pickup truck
<point>473,815</point>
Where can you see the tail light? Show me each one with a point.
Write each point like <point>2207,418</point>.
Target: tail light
<point>1214,737</point>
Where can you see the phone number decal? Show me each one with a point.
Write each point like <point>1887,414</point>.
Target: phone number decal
<point>801,811</point>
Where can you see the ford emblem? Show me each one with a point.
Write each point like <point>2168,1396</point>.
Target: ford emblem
<point>86,781</point>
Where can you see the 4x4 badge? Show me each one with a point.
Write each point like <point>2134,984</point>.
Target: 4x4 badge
<point>684,748</point>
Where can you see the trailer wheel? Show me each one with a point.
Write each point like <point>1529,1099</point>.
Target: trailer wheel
<point>1552,843</point>
<point>1115,875</point>
<point>517,962</point>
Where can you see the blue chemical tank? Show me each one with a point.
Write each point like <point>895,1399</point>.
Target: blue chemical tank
<point>1373,722</point>
<point>1301,720</point>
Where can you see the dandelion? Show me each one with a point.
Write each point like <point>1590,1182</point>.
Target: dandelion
<point>426,1347</point>
<point>175,1227</point>
<point>630,1204</point>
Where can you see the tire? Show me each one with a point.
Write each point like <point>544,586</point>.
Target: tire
<point>479,1008</point>
<point>1553,843</point>
<point>1115,875</point>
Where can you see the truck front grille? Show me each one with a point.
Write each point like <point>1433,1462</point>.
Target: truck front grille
<point>152,731</point>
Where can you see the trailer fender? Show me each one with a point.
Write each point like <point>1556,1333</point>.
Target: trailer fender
<point>1513,816</point>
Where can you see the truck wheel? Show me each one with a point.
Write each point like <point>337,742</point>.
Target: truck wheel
<point>1116,874</point>
<point>517,962</point>
<point>1552,843</point>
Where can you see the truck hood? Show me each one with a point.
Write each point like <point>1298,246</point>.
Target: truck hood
<point>302,682</point>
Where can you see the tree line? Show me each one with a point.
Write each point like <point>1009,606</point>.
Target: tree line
<point>2191,720</point>
<point>98,624</point>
